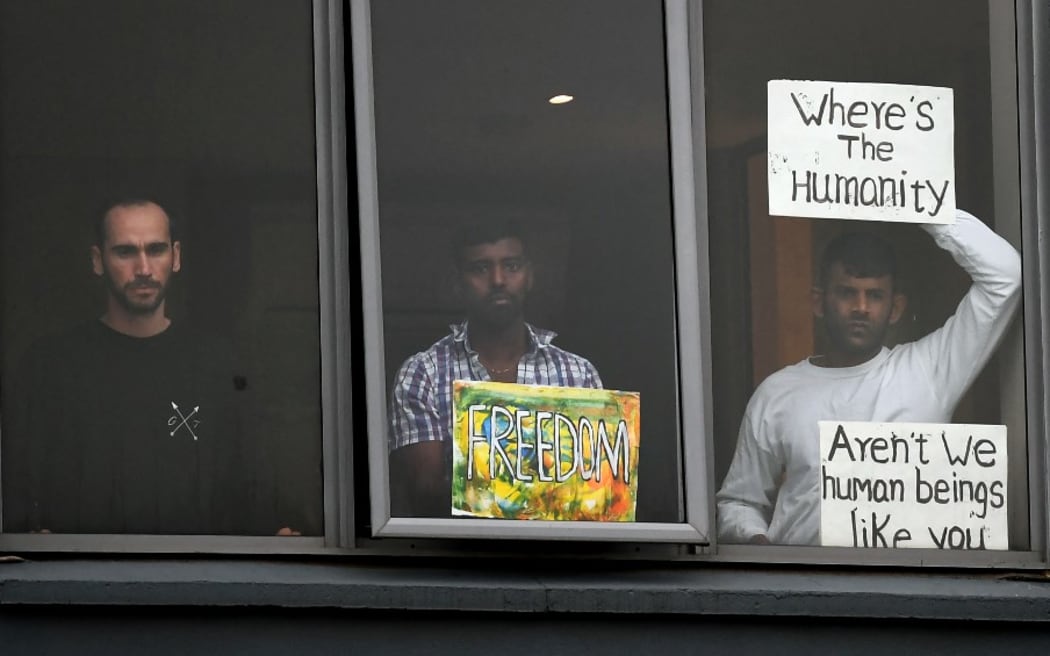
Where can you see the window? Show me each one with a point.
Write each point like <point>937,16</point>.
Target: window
<point>468,135</point>
<point>188,122</point>
<point>761,313</point>
<point>623,145</point>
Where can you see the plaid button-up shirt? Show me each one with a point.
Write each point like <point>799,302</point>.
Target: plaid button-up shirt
<point>421,403</point>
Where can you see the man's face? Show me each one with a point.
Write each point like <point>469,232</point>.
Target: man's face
<point>857,312</point>
<point>494,279</point>
<point>137,258</point>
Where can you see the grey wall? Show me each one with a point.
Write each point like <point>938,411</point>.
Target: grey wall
<point>56,630</point>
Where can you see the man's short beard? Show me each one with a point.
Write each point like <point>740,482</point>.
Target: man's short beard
<point>846,346</point>
<point>497,317</point>
<point>498,320</point>
<point>836,333</point>
<point>123,297</point>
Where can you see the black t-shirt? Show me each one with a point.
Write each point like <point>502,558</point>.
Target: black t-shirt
<point>108,433</point>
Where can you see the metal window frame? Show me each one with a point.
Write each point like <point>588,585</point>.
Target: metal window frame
<point>333,288</point>
<point>1019,82</point>
<point>685,74</point>
<point>1033,75</point>
<point>693,445</point>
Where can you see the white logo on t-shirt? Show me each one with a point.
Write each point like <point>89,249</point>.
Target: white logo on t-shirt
<point>179,420</point>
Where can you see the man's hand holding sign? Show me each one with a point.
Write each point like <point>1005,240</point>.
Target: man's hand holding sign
<point>853,446</point>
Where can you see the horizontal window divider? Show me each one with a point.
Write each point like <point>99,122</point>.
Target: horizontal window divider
<point>837,556</point>
<point>541,530</point>
<point>115,545</point>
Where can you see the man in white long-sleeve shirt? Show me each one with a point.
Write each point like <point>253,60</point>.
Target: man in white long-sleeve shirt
<point>771,494</point>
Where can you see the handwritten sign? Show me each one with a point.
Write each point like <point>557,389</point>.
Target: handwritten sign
<point>899,485</point>
<point>882,152</point>
<point>539,452</point>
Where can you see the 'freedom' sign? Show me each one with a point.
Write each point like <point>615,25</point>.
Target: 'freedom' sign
<point>882,152</point>
<point>540,452</point>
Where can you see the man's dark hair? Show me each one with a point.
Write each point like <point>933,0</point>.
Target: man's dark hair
<point>486,232</point>
<point>129,201</point>
<point>862,255</point>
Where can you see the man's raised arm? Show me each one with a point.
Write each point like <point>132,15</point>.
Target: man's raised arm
<point>960,348</point>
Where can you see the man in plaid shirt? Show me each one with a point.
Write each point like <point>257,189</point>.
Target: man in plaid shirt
<point>493,344</point>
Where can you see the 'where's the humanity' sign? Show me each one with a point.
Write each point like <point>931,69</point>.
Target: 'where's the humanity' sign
<point>940,486</point>
<point>541,452</point>
<point>882,152</point>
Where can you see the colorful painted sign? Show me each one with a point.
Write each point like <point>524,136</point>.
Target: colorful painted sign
<point>539,452</point>
<point>896,485</point>
<point>881,152</point>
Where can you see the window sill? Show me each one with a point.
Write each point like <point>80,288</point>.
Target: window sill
<point>529,586</point>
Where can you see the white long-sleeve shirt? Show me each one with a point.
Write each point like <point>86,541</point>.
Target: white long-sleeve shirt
<point>772,487</point>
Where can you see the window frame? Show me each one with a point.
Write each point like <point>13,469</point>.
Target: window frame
<point>335,340</point>
<point>1033,68</point>
<point>1020,191</point>
<point>338,324</point>
<point>697,502</point>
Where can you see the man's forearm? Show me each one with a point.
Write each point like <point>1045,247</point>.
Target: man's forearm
<point>956,352</point>
<point>739,523</point>
<point>419,486</point>
<point>992,263</point>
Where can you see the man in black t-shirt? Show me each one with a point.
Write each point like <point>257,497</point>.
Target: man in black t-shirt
<point>127,424</point>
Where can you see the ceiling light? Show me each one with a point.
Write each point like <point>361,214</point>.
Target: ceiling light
<point>560,99</point>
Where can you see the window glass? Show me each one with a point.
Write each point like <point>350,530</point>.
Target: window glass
<point>159,268</point>
<point>764,268</point>
<point>497,206</point>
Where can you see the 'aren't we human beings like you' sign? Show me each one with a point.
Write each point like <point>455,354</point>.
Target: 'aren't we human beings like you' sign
<point>900,485</point>
<point>881,152</point>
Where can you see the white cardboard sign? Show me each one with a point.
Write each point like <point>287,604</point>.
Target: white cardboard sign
<point>897,485</point>
<point>848,150</point>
